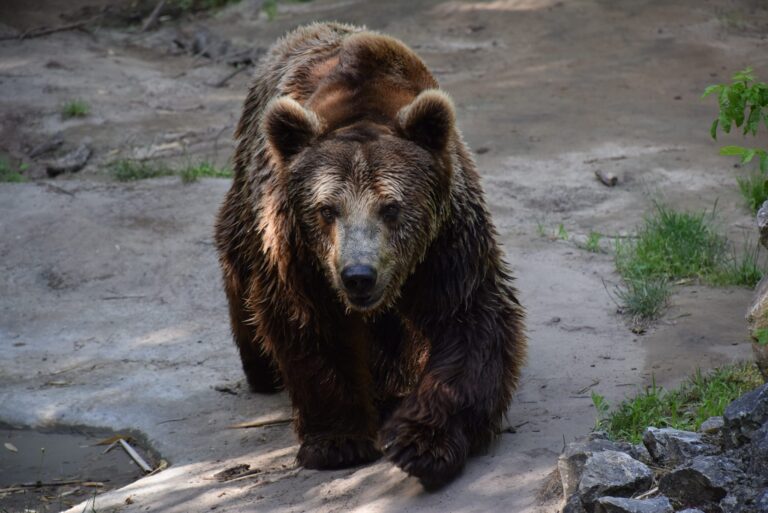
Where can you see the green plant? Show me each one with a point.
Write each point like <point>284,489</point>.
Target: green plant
<point>202,5</point>
<point>601,406</point>
<point>270,9</point>
<point>9,174</point>
<point>686,407</point>
<point>643,298</point>
<point>75,109</point>
<point>744,103</point>
<point>593,242</point>
<point>674,245</point>
<point>761,336</point>
<point>562,233</point>
<point>192,173</point>
<point>132,170</point>
<point>741,268</point>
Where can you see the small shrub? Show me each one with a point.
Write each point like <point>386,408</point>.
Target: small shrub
<point>75,109</point>
<point>686,407</point>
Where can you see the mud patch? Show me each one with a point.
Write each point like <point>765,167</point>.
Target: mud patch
<point>699,322</point>
<point>53,469</point>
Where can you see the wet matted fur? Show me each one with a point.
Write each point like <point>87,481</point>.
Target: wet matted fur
<point>349,161</point>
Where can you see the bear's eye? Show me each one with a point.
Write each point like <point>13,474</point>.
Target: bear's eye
<point>390,212</point>
<point>328,214</point>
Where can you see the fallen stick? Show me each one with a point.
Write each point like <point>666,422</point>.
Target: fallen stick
<point>135,456</point>
<point>261,423</point>
<point>51,484</point>
<point>223,81</point>
<point>152,19</point>
<point>39,32</point>
<point>607,179</point>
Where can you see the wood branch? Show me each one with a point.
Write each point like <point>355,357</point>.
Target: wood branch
<point>261,423</point>
<point>152,18</point>
<point>223,81</point>
<point>39,32</point>
<point>607,179</point>
<point>135,456</point>
<point>51,484</point>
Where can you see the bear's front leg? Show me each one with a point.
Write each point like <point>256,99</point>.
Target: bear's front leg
<point>461,397</point>
<point>330,387</point>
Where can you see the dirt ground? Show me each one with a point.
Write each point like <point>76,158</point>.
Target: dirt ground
<point>111,309</point>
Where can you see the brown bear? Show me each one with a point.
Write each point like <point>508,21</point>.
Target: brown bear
<point>360,262</point>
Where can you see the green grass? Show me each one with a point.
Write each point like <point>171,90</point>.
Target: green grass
<point>202,5</point>
<point>75,109</point>
<point>644,298</point>
<point>673,245</point>
<point>192,173</point>
<point>593,242</point>
<point>754,189</point>
<point>686,407</point>
<point>132,170</point>
<point>9,174</point>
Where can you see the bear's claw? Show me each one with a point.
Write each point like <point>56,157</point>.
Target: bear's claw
<point>336,452</point>
<point>432,455</point>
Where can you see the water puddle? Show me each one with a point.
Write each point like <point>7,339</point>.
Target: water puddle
<point>49,470</point>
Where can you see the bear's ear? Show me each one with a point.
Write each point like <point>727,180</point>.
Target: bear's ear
<point>428,120</point>
<point>289,127</point>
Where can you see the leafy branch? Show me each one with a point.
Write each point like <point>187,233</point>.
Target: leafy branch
<point>743,103</point>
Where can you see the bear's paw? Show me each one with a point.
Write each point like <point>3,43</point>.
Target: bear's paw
<point>335,452</point>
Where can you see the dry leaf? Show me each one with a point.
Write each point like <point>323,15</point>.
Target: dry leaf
<point>11,447</point>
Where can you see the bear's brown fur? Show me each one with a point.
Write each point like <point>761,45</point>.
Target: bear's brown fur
<point>360,263</point>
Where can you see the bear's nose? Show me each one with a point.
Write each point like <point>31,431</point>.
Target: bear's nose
<point>359,279</point>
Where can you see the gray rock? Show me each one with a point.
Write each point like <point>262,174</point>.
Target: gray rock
<point>758,453</point>
<point>612,473</point>
<point>712,425</point>
<point>71,162</point>
<point>574,505</point>
<point>745,415</point>
<point>761,501</point>
<point>674,447</point>
<point>690,510</point>
<point>571,463</point>
<point>640,453</point>
<point>621,505</point>
<point>707,479</point>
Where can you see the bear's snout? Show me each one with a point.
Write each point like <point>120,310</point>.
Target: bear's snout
<point>359,281</point>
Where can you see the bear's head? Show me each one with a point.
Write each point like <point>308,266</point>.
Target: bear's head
<point>368,197</point>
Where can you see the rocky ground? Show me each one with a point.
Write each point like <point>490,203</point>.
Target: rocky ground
<point>723,469</point>
<point>111,311</point>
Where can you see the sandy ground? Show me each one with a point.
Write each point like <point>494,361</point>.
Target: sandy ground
<point>111,310</point>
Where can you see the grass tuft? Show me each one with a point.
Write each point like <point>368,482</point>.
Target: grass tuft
<point>593,242</point>
<point>75,109</point>
<point>192,173</point>
<point>132,170</point>
<point>671,245</point>
<point>686,407</point>
<point>754,189</point>
<point>9,174</point>
<point>676,245</point>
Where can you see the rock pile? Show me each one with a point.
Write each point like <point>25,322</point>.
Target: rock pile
<point>721,469</point>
